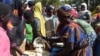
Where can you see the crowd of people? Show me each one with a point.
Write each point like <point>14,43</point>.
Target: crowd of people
<point>66,31</point>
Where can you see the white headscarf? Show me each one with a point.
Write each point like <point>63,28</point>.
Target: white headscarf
<point>84,4</point>
<point>83,12</point>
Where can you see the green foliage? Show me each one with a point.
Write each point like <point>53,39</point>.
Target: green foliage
<point>45,2</point>
<point>55,3</point>
<point>38,0</point>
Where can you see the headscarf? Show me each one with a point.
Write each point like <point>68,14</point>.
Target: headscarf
<point>63,8</point>
<point>38,15</point>
<point>66,7</point>
<point>74,13</point>
<point>83,12</point>
<point>84,4</point>
<point>94,11</point>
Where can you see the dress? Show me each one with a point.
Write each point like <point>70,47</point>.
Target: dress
<point>72,40</point>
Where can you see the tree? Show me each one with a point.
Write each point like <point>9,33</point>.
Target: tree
<point>54,2</point>
<point>45,2</point>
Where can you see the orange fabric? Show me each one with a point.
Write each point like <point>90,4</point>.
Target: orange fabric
<point>15,12</point>
<point>75,26</point>
<point>9,25</point>
<point>98,16</point>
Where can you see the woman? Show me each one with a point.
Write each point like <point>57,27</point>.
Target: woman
<point>84,13</point>
<point>38,23</point>
<point>96,14</point>
<point>97,29</point>
<point>71,34</point>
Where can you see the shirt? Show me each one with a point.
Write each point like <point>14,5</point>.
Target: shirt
<point>51,25</point>
<point>4,43</point>
<point>29,33</point>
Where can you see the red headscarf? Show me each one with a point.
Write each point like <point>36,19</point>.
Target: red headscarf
<point>98,16</point>
<point>74,13</point>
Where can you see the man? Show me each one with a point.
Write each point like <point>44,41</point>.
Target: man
<point>4,40</point>
<point>51,21</point>
<point>31,5</point>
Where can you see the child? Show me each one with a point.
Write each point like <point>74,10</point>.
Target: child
<point>29,34</point>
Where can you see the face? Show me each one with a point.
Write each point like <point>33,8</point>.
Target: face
<point>4,21</point>
<point>24,7</point>
<point>82,7</point>
<point>55,11</point>
<point>68,13</point>
<point>29,20</point>
<point>65,17</point>
<point>98,10</point>
<point>49,12</point>
<point>32,8</point>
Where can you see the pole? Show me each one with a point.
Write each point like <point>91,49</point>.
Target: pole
<point>88,4</point>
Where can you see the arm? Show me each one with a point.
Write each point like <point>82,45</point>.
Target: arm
<point>88,16</point>
<point>68,42</point>
<point>37,27</point>
<point>4,44</point>
<point>13,38</point>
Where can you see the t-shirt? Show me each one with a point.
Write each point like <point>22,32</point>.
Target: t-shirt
<point>51,25</point>
<point>29,33</point>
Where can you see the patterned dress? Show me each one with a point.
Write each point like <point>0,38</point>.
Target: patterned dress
<point>72,38</point>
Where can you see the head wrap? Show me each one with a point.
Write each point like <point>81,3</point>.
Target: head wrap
<point>66,7</point>
<point>85,5</point>
<point>63,8</point>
